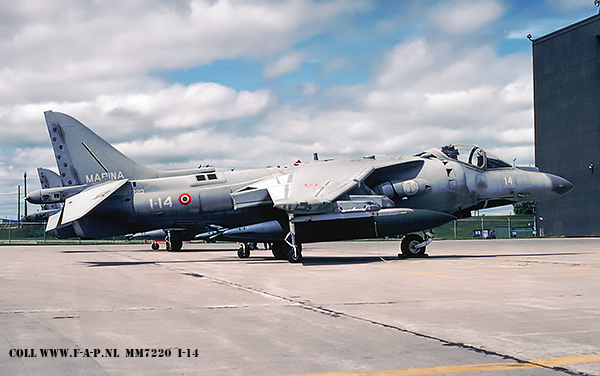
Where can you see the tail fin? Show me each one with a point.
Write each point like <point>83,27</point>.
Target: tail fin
<point>49,178</point>
<point>85,158</point>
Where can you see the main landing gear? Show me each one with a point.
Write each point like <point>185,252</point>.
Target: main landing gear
<point>173,243</point>
<point>282,250</point>
<point>414,246</point>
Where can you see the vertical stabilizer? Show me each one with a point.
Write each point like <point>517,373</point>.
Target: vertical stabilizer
<point>83,157</point>
<point>49,178</point>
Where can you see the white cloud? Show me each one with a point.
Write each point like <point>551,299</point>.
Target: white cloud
<point>96,60</point>
<point>192,106</point>
<point>465,16</point>
<point>283,65</point>
<point>310,89</point>
<point>74,50</point>
<point>406,61</point>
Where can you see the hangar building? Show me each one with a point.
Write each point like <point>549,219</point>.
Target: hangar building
<point>566,75</point>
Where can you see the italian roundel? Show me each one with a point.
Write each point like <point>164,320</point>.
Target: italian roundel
<point>185,198</point>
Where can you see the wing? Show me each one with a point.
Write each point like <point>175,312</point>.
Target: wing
<point>316,185</point>
<point>311,187</point>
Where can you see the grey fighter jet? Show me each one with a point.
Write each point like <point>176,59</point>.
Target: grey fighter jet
<point>48,179</point>
<point>107,194</point>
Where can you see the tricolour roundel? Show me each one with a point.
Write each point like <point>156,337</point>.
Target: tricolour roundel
<point>185,198</point>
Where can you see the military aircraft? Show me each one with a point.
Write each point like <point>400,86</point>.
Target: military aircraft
<point>48,179</point>
<point>107,194</point>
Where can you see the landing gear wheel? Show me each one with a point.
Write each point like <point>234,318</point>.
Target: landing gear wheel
<point>280,250</point>
<point>409,246</point>
<point>244,251</point>
<point>155,245</point>
<point>295,257</point>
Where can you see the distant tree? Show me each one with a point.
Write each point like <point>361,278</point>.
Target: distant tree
<point>524,208</point>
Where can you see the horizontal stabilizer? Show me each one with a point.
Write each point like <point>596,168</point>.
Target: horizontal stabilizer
<point>82,203</point>
<point>41,215</point>
<point>53,221</point>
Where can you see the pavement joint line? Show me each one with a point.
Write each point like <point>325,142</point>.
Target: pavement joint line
<point>520,363</point>
<point>329,312</point>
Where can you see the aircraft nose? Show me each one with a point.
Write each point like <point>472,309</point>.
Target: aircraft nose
<point>34,197</point>
<point>560,186</point>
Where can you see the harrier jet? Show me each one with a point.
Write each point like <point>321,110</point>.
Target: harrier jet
<point>48,179</point>
<point>105,194</point>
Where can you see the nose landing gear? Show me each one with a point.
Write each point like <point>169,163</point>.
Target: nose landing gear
<point>413,245</point>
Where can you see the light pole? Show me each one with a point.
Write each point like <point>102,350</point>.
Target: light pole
<point>25,193</point>
<point>18,206</point>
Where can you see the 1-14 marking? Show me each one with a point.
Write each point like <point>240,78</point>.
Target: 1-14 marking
<point>160,204</point>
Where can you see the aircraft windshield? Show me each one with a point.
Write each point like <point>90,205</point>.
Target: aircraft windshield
<point>473,155</point>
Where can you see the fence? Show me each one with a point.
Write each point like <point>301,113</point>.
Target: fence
<point>476,227</point>
<point>488,228</point>
<point>33,233</point>
<point>22,232</point>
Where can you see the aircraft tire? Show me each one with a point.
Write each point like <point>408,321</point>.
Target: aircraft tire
<point>280,250</point>
<point>244,251</point>
<point>408,246</point>
<point>155,246</point>
<point>292,257</point>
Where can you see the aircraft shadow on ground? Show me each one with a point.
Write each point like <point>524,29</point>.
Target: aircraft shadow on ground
<point>340,260</point>
<point>149,251</point>
<point>322,260</point>
<point>94,264</point>
<point>505,255</point>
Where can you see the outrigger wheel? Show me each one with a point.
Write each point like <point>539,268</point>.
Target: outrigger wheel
<point>295,257</point>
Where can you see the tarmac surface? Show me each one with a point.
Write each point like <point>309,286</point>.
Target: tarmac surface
<point>493,307</point>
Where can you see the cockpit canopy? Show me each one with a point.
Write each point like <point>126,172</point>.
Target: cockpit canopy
<point>469,154</point>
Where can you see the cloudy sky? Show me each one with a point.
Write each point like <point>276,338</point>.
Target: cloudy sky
<point>179,83</point>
